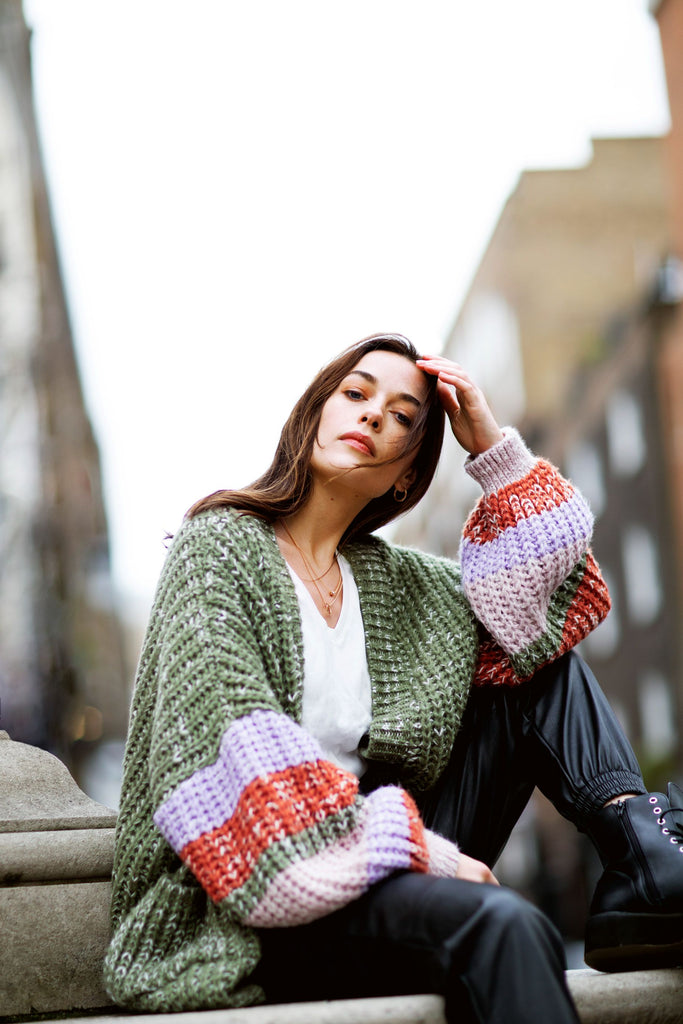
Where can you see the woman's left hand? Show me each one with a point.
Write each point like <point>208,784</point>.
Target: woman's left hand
<point>472,422</point>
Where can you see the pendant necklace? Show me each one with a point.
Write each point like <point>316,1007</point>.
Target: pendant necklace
<point>333,594</point>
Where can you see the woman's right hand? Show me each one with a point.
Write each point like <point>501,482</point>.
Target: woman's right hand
<point>471,870</point>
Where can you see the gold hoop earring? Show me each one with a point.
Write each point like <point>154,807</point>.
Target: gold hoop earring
<point>400,494</point>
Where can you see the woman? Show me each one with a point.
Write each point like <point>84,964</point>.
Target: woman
<point>306,746</point>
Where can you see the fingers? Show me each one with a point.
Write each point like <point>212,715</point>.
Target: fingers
<point>447,371</point>
<point>471,870</point>
<point>448,398</point>
<point>472,421</point>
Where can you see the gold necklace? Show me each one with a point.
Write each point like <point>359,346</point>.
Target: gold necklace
<point>312,579</point>
<point>334,594</point>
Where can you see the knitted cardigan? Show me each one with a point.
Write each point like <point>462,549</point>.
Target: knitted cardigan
<point>230,818</point>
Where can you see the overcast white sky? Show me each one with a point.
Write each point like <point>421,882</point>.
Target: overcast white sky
<point>241,189</point>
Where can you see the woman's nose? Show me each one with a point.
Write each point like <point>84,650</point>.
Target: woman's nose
<point>374,418</point>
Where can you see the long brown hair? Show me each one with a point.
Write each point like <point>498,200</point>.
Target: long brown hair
<point>285,486</point>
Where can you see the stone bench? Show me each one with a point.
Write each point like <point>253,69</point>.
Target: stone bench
<point>56,854</point>
<point>639,997</point>
<point>56,851</point>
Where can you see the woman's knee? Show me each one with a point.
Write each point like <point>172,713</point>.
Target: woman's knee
<point>506,917</point>
<point>506,906</point>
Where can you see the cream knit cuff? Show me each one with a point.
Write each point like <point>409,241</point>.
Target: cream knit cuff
<point>444,856</point>
<point>502,464</point>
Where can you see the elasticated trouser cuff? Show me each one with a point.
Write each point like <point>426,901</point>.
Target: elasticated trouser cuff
<point>605,787</point>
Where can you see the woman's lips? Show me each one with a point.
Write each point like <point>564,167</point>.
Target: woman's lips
<point>361,442</point>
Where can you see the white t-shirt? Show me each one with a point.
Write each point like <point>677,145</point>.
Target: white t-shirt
<point>337,701</point>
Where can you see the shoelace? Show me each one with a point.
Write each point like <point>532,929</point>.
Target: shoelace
<point>672,824</point>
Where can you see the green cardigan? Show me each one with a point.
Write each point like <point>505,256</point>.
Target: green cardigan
<point>228,808</point>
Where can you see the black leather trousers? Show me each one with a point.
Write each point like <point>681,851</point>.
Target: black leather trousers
<point>492,955</point>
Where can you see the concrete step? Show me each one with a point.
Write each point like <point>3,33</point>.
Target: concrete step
<point>638,997</point>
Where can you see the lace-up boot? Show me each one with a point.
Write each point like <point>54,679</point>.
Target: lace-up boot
<point>637,911</point>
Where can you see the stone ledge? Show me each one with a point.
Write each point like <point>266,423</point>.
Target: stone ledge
<point>634,997</point>
<point>637,997</point>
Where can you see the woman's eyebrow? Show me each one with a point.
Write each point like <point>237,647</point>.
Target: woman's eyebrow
<point>371,379</point>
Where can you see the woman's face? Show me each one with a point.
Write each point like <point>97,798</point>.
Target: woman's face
<point>365,424</point>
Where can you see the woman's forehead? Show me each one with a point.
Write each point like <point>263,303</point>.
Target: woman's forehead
<point>393,372</point>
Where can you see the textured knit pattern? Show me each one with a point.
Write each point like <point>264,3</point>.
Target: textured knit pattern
<point>240,823</point>
<point>230,818</point>
<point>528,538</point>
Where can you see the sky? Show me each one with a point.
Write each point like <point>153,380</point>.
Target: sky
<point>242,189</point>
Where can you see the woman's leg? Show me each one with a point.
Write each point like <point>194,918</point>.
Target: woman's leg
<point>558,732</point>
<point>492,955</point>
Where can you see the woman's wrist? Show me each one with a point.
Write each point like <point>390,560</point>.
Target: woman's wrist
<point>503,463</point>
<point>493,437</point>
<point>444,855</point>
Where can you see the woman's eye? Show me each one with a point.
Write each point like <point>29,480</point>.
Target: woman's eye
<point>356,396</point>
<point>404,420</point>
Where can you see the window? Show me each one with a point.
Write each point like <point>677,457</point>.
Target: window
<point>656,714</point>
<point>625,435</point>
<point>584,468</point>
<point>641,571</point>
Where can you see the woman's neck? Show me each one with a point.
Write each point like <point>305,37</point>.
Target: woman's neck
<point>319,526</point>
<point>308,540</point>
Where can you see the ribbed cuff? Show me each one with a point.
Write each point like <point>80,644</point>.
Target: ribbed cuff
<point>502,464</point>
<point>444,856</point>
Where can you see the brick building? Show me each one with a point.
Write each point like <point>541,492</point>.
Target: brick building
<point>669,15</point>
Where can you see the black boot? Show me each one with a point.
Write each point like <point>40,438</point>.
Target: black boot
<point>637,911</point>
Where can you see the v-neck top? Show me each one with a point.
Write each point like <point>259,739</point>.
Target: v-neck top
<point>337,702</point>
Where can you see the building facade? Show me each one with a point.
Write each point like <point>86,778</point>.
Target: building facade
<point>565,326</point>
<point>562,326</point>
<point>62,672</point>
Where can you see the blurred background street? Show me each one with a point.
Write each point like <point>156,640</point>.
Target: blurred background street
<point>201,204</point>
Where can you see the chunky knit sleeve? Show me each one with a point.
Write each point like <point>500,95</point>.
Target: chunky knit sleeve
<point>280,836</point>
<point>275,834</point>
<point>526,564</point>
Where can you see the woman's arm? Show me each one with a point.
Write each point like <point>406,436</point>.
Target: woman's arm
<point>281,836</point>
<point>528,571</point>
<point>527,567</point>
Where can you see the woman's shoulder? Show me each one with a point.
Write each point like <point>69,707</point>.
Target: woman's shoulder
<point>223,539</point>
<point>378,552</point>
<point>227,524</point>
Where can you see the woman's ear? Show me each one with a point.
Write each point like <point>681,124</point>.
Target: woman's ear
<point>406,479</point>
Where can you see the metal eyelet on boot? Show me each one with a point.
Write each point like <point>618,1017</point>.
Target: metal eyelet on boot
<point>653,799</point>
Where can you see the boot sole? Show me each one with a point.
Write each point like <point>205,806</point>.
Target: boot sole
<point>632,942</point>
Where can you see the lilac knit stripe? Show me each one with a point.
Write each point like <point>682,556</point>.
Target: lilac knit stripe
<point>258,744</point>
<point>542,534</point>
<point>388,833</point>
<point>518,623</point>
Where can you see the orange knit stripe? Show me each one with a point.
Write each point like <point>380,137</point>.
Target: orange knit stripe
<point>493,666</point>
<point>270,809</point>
<point>419,854</point>
<point>541,490</point>
<point>589,607</point>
